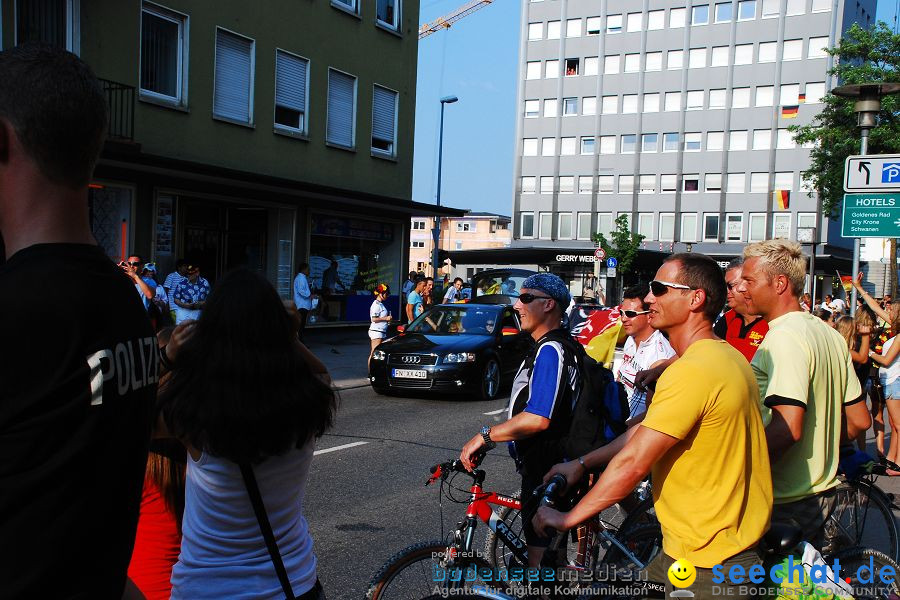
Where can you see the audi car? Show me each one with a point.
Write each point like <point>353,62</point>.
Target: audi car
<point>464,349</point>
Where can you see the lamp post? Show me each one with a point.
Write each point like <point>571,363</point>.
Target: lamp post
<point>436,232</point>
<point>867,106</point>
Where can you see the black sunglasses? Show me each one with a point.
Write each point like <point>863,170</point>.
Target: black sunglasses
<point>528,298</point>
<point>659,288</point>
<point>135,264</point>
<point>633,313</point>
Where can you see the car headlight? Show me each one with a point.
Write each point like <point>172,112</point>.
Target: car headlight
<point>379,355</point>
<point>460,357</point>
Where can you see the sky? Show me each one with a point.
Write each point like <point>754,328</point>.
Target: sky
<point>477,61</point>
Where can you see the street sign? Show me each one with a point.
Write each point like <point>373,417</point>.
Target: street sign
<point>610,272</point>
<point>872,173</point>
<point>599,253</point>
<point>612,262</point>
<point>874,215</point>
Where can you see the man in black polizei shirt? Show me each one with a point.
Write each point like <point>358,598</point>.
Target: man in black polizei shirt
<point>79,370</point>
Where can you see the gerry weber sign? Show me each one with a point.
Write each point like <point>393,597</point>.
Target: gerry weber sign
<point>581,258</point>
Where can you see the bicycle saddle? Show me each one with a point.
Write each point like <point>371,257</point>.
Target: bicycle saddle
<point>782,537</point>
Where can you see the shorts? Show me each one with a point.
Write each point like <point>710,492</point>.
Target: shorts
<point>530,505</point>
<point>377,335</point>
<point>892,390</point>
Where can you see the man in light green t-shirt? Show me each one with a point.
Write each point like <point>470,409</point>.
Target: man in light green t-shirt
<point>806,383</point>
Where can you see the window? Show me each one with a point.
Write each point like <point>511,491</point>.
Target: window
<point>233,93</point>
<point>710,227</point>
<point>527,185</point>
<point>416,244</point>
<point>546,185</point>
<point>821,5</point>
<point>566,184</point>
<point>815,92</point>
<point>673,101</point>
<point>629,104</point>
<point>567,146</point>
<point>747,10</point>
<point>629,143</point>
<point>737,140</point>
<point>592,25</point>
<point>688,227</point>
<point>546,225</point>
<point>551,69</point>
<point>626,184</point>
<point>634,21</point>
<point>765,95</point>
<point>572,67</point>
<point>653,61</point>
<point>796,7</point>
<point>789,94</point>
<point>692,141</point>
<point>613,23</point>
<point>712,182</point>
<point>585,184</point>
<point>762,139</point>
<point>667,227</point>
<point>587,145</point>
<point>421,224</point>
<point>770,8</point>
<point>668,183</point>
<point>564,230</point>
<point>759,183</point>
<point>163,49</point>
<point>611,64</point>
<point>53,22</point>
<point>349,5</point>
<point>591,65</point>
<point>677,17</point>
<point>645,225</point>
<point>784,140</point>
<point>628,219</point>
<point>459,245</point>
<point>607,144</point>
<point>817,47</point>
<point>675,59</point>
<point>767,51</point>
<point>743,54</point>
<point>650,142</point>
<point>656,19</point>
<point>671,142</point>
<point>719,57</point>
<point>384,120</point>
<point>806,219</point>
<point>573,28</point>
<point>651,103</point>
<point>552,30</point>
<point>724,12</point>
<point>632,63</point>
<point>550,107</point>
<point>533,69</point>
<point>570,106</point>
<point>806,185</point>
<point>734,227</point>
<point>584,226</point>
<point>740,97</point>
<point>527,225</point>
<point>784,180</point>
<point>589,105</point>
<point>715,140</point>
<point>529,147</point>
<point>535,31</point>
<point>532,108</point>
<point>604,223</point>
<point>757,227</point>
<point>792,50</point>
<point>387,13</point>
<point>694,100</point>
<point>605,184</point>
<point>697,58</point>
<point>735,183</point>
<point>548,146</point>
<point>700,15</point>
<point>610,105</point>
<point>781,225</point>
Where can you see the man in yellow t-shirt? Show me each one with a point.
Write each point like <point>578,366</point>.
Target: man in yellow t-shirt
<point>702,438</point>
<point>806,381</point>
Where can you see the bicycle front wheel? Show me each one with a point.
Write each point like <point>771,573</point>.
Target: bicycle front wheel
<point>867,584</point>
<point>421,570</point>
<point>862,518</point>
<point>638,547</point>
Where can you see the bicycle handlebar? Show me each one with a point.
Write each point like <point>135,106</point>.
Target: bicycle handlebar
<point>443,470</point>
<point>550,492</point>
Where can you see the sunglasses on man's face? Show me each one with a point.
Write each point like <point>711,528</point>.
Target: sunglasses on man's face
<point>659,288</point>
<point>135,264</point>
<point>528,298</point>
<point>633,313</point>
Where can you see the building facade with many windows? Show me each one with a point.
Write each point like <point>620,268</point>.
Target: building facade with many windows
<point>674,113</point>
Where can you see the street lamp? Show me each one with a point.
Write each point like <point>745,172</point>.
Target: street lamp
<point>436,232</point>
<point>867,106</point>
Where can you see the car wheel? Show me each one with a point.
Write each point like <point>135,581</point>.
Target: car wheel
<point>490,379</point>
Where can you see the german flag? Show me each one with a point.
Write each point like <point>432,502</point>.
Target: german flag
<point>846,281</point>
<point>801,98</point>
<point>782,198</point>
<point>790,112</point>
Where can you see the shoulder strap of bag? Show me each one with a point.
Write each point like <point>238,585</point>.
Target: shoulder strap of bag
<point>266,528</point>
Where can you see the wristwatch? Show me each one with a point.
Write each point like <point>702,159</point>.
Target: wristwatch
<point>486,436</point>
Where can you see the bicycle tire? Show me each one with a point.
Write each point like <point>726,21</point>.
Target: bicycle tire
<point>863,519</point>
<point>642,514</point>
<point>854,558</point>
<point>410,574</point>
<point>643,541</point>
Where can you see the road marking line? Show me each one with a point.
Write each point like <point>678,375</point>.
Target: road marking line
<point>496,412</point>
<point>341,447</point>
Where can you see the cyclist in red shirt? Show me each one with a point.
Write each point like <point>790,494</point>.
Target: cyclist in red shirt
<point>744,331</point>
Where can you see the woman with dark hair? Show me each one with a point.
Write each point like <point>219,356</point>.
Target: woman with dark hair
<point>248,400</point>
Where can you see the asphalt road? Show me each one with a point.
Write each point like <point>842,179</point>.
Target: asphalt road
<point>366,502</point>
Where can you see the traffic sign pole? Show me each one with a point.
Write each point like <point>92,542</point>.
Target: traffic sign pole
<point>863,150</point>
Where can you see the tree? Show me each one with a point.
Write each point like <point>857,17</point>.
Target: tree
<point>624,244</point>
<point>863,56</point>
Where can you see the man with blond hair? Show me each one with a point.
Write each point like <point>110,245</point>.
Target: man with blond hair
<point>805,379</point>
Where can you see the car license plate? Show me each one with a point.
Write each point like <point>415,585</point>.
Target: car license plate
<point>411,373</point>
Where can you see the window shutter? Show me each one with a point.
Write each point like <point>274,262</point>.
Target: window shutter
<point>384,105</point>
<point>290,81</point>
<point>233,77</point>
<point>341,92</point>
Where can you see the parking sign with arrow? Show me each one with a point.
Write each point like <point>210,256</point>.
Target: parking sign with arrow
<point>877,172</point>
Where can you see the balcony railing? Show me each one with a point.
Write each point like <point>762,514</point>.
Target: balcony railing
<point>120,98</point>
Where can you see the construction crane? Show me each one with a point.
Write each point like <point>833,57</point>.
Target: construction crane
<point>447,21</point>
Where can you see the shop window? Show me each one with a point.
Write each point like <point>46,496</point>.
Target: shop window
<point>110,213</point>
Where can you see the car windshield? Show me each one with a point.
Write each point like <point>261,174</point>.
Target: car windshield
<point>453,319</point>
<point>506,283</point>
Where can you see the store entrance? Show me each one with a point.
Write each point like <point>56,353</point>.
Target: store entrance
<point>219,237</point>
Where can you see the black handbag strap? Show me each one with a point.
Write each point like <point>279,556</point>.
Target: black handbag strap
<point>266,528</point>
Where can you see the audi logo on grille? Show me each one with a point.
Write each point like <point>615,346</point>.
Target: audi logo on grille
<point>411,360</point>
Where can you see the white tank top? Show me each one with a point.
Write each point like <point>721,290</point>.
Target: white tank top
<point>223,552</point>
<point>891,372</point>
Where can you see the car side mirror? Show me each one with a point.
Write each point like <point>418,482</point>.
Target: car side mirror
<point>509,331</point>
<point>401,328</point>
